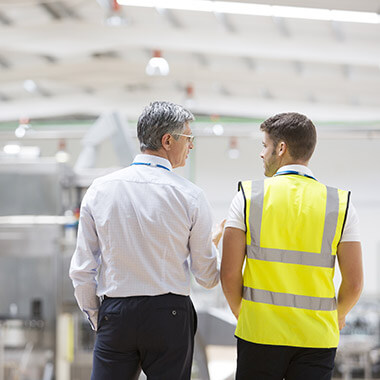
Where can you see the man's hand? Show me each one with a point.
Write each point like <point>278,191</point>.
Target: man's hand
<point>218,232</point>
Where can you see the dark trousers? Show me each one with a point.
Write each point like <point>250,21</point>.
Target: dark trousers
<point>266,362</point>
<point>152,333</point>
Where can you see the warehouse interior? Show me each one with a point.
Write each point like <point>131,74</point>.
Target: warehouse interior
<point>74,77</point>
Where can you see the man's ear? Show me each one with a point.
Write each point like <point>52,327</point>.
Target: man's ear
<point>166,141</point>
<point>282,148</point>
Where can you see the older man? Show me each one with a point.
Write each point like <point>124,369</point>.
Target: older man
<point>142,230</point>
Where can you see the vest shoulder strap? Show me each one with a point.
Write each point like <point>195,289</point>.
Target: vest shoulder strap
<point>245,188</point>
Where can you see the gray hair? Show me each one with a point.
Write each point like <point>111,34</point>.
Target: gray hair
<point>160,118</point>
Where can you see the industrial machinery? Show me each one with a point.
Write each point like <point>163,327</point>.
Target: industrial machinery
<point>358,354</point>
<point>31,232</point>
<point>43,334</point>
<point>41,326</point>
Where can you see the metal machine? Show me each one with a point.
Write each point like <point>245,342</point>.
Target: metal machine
<point>43,334</point>
<point>33,195</point>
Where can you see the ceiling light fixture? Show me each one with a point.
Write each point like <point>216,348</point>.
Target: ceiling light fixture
<point>157,65</point>
<point>218,129</point>
<point>114,15</point>
<point>12,149</point>
<point>23,126</point>
<point>62,156</point>
<point>189,100</point>
<point>233,150</point>
<point>30,86</point>
<point>259,10</point>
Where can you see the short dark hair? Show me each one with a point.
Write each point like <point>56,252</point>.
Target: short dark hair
<point>296,130</point>
<point>158,119</point>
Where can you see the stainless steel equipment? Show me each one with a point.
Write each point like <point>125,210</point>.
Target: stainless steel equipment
<point>33,195</point>
<point>358,350</point>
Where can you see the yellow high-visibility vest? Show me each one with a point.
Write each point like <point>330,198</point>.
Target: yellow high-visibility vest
<point>294,225</point>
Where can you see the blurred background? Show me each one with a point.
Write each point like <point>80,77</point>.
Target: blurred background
<point>74,77</point>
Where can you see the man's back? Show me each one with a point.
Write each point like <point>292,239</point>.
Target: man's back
<point>141,231</point>
<point>294,224</point>
<point>143,217</point>
<point>289,228</point>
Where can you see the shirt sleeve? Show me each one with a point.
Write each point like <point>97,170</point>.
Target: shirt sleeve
<point>351,228</point>
<point>85,263</point>
<point>235,216</point>
<point>204,261</point>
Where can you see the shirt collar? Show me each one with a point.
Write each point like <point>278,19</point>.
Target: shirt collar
<point>302,169</point>
<point>155,160</point>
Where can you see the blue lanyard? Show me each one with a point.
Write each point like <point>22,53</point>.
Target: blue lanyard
<point>295,172</point>
<point>150,164</point>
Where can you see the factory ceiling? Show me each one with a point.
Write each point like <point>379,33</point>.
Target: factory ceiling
<point>62,58</point>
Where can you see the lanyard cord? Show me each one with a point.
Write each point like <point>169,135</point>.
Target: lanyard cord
<point>150,164</point>
<point>294,172</point>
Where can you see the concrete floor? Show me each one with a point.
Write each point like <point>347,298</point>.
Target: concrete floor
<point>221,362</point>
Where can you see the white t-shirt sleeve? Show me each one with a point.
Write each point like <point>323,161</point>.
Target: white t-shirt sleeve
<point>235,217</point>
<point>351,228</point>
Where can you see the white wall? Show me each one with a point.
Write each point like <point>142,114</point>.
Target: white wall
<point>353,165</point>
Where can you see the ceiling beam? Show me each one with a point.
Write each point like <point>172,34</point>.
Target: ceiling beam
<point>249,62</point>
<point>4,19</point>
<point>71,38</point>
<point>4,98</point>
<point>52,10</point>
<point>226,22</point>
<point>132,103</point>
<point>49,58</point>
<point>282,26</point>
<point>337,31</point>
<point>298,67</point>
<point>91,72</point>
<point>168,15</point>
<point>201,59</point>
<point>4,63</point>
<point>59,10</point>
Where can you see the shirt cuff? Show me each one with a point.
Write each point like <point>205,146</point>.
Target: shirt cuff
<point>92,318</point>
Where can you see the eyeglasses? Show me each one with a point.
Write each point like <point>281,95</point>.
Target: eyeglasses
<point>190,138</point>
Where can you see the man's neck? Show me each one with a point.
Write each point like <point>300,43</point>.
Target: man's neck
<point>159,153</point>
<point>291,161</point>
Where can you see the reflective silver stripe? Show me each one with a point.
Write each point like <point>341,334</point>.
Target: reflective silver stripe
<point>322,259</point>
<point>289,300</point>
<point>331,220</point>
<point>256,211</point>
<point>291,257</point>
